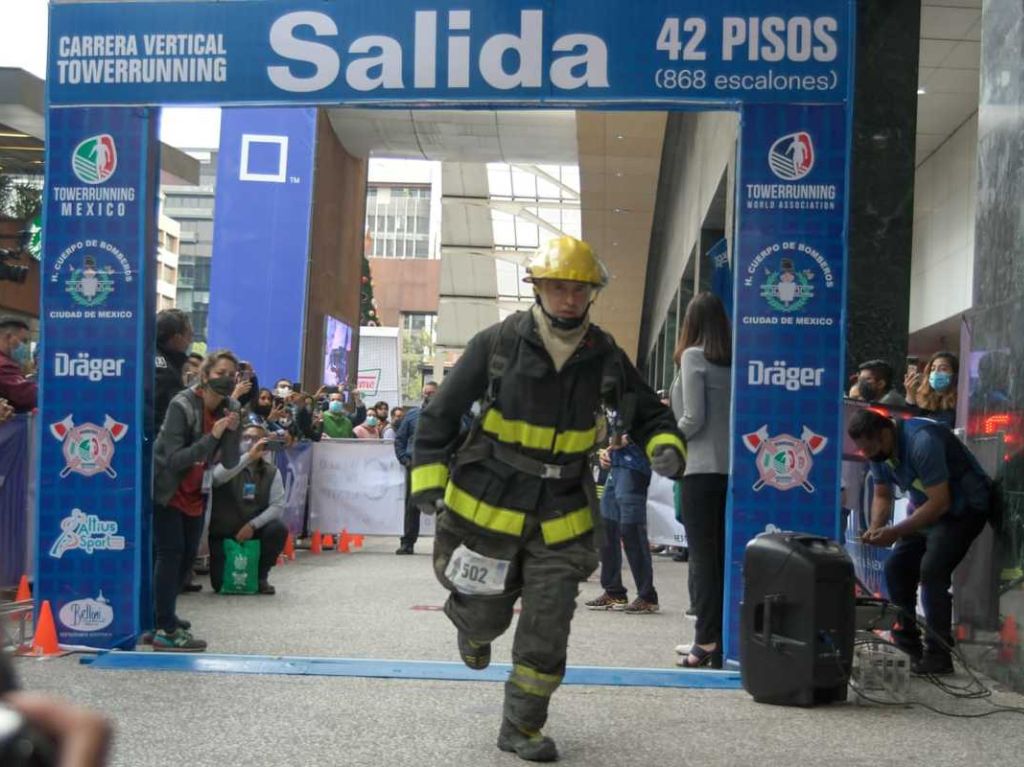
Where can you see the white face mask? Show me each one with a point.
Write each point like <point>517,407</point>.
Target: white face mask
<point>284,391</point>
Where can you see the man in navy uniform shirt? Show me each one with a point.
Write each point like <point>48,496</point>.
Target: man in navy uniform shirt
<point>950,496</point>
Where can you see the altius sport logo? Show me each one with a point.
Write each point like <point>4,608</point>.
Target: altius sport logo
<point>95,159</point>
<point>792,157</point>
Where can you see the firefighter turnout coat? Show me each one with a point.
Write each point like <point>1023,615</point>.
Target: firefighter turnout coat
<point>527,453</point>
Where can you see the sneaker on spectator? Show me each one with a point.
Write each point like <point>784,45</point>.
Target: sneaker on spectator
<point>177,641</point>
<point>607,602</point>
<point>147,636</point>
<point>683,649</point>
<point>641,606</point>
<point>691,613</point>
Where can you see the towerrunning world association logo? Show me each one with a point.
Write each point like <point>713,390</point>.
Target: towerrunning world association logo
<point>95,159</point>
<point>792,157</point>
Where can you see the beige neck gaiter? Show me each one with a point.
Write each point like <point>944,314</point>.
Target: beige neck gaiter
<point>560,344</point>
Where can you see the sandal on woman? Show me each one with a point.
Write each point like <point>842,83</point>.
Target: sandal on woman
<point>705,658</point>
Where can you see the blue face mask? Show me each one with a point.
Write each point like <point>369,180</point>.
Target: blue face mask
<point>336,407</point>
<point>939,381</point>
<point>20,354</point>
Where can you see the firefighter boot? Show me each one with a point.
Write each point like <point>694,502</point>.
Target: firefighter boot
<point>476,655</point>
<point>531,746</point>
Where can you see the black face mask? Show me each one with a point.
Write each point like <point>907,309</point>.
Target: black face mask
<point>880,457</point>
<point>261,410</point>
<point>221,386</point>
<point>868,391</point>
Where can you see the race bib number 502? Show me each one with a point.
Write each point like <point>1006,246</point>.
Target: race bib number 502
<point>475,574</point>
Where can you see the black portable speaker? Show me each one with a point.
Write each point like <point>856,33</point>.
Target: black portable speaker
<point>797,619</point>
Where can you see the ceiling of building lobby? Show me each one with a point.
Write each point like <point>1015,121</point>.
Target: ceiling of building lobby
<point>948,72</point>
<point>618,154</point>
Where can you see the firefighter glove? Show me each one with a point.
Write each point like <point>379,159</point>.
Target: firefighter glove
<point>667,461</point>
<point>430,501</point>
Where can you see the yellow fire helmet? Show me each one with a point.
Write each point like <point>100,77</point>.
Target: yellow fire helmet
<point>566,258</point>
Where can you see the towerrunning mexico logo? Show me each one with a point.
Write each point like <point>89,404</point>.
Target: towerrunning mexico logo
<point>95,159</point>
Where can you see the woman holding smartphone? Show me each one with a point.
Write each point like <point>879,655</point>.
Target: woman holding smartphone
<point>200,430</point>
<point>934,393</point>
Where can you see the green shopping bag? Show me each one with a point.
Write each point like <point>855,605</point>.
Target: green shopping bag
<point>241,567</point>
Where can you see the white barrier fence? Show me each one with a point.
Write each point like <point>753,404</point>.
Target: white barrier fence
<point>358,485</point>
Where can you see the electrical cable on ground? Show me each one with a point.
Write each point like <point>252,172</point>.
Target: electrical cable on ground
<point>975,689</point>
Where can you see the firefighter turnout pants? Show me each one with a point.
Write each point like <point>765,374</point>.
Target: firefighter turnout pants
<point>547,578</point>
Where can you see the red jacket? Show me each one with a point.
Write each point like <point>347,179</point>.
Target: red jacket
<point>20,392</point>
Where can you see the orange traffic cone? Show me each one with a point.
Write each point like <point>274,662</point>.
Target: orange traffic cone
<point>1009,640</point>
<point>45,640</point>
<point>24,592</point>
<point>316,543</point>
<point>357,541</point>
<point>328,541</point>
<point>344,539</point>
<point>24,595</point>
<point>289,547</point>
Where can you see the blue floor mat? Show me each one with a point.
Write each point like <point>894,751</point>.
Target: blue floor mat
<point>402,669</point>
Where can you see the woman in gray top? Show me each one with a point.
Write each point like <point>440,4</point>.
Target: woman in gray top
<point>703,391</point>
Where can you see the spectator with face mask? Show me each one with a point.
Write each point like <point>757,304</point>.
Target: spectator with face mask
<point>336,424</point>
<point>368,429</point>
<point>20,392</point>
<point>266,413</point>
<point>248,503</point>
<point>200,431</point>
<point>874,384</point>
<point>391,429</point>
<point>934,393</point>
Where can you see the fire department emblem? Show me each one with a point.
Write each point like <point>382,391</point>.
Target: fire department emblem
<point>88,449</point>
<point>784,462</point>
<point>789,289</point>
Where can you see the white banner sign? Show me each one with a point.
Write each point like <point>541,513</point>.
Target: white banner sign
<point>662,527</point>
<point>359,485</point>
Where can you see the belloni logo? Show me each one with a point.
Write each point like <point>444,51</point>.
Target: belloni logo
<point>95,159</point>
<point>87,614</point>
<point>792,157</point>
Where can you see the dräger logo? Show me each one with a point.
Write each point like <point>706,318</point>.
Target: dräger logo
<point>779,373</point>
<point>84,366</point>
<point>792,156</point>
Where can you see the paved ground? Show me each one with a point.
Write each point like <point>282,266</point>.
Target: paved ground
<point>363,606</point>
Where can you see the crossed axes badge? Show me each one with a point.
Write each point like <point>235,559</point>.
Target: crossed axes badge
<point>88,449</point>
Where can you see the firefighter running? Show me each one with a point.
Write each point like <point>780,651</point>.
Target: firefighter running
<point>516,495</point>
